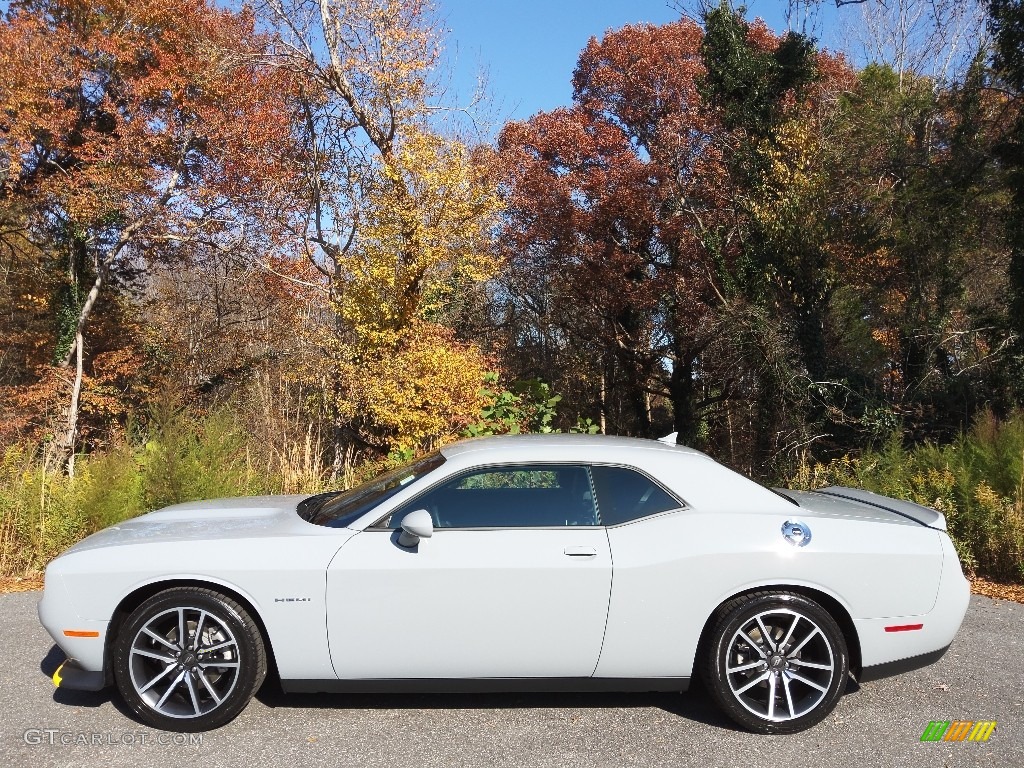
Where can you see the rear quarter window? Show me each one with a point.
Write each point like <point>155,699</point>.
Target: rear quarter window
<point>625,494</point>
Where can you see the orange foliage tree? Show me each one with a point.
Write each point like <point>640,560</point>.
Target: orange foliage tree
<point>626,222</point>
<point>128,132</point>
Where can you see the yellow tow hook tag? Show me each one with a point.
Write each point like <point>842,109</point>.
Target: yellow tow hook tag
<point>56,675</point>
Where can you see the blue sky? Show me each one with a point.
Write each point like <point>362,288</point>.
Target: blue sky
<point>529,47</point>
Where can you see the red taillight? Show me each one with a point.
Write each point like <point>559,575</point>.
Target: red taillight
<point>904,627</point>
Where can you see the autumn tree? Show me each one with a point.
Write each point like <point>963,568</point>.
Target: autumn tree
<point>653,212</point>
<point>128,131</point>
<point>605,204</point>
<point>930,257</point>
<point>396,219</point>
<point>775,98</point>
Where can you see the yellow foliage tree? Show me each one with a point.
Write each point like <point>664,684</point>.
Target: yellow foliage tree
<point>398,216</point>
<point>418,393</point>
<point>423,235</point>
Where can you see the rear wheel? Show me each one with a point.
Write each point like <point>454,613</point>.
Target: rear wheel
<point>189,659</point>
<point>777,662</point>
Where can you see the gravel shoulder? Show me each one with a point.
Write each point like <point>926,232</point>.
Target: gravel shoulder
<point>980,678</point>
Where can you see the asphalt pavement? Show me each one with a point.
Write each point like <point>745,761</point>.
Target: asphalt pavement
<point>877,724</point>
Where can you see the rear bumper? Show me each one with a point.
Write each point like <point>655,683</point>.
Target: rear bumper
<point>897,644</point>
<point>890,668</point>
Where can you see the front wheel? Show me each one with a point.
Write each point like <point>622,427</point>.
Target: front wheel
<point>189,659</point>
<point>777,662</point>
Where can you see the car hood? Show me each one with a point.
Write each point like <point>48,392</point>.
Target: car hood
<point>237,518</point>
<point>837,501</point>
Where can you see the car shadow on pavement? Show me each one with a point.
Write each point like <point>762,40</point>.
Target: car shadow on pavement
<point>693,705</point>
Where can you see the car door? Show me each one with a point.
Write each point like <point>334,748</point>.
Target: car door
<point>514,582</point>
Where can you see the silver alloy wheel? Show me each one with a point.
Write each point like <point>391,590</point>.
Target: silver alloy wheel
<point>780,665</point>
<point>184,662</point>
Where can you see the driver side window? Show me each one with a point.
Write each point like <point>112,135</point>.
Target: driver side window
<point>525,496</point>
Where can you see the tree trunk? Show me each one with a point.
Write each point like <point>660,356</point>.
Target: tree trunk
<point>811,336</point>
<point>636,388</point>
<point>684,405</point>
<point>73,407</point>
<point>769,412</point>
<point>61,450</point>
<point>338,448</point>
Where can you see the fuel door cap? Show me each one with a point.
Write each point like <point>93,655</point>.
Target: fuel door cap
<point>796,532</point>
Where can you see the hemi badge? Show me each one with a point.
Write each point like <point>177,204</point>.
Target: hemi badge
<point>904,627</point>
<point>80,633</point>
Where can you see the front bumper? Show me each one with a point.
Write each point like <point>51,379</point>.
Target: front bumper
<point>88,637</point>
<point>70,676</point>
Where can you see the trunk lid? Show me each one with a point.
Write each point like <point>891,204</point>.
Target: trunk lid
<point>854,502</point>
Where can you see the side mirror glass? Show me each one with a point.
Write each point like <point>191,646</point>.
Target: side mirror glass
<point>415,526</point>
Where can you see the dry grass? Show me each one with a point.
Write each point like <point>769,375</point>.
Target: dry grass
<point>20,583</point>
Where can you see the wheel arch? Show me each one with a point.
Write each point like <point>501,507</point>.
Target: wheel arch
<point>832,605</point>
<point>138,596</point>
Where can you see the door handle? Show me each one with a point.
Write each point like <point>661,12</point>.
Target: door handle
<point>580,551</point>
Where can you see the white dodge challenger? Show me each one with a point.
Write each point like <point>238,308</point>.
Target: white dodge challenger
<point>526,563</point>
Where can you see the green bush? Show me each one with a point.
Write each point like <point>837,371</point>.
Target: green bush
<point>183,459</point>
<point>977,482</point>
<point>187,459</point>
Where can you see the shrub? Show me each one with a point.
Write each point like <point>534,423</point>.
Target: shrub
<point>39,515</point>
<point>977,482</point>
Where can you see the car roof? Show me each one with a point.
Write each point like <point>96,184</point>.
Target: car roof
<point>588,443</point>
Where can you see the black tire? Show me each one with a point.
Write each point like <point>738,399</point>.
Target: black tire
<point>788,659</point>
<point>200,686</point>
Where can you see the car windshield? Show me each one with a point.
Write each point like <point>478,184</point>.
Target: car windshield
<point>339,509</point>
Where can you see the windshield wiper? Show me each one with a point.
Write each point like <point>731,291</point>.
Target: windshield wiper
<point>308,508</point>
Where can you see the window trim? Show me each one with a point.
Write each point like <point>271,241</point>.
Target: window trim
<point>586,465</point>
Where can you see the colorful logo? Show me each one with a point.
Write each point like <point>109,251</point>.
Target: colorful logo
<point>958,730</point>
